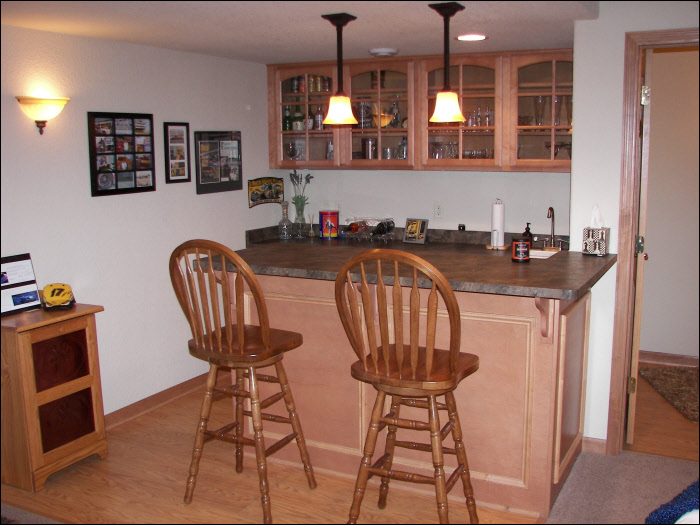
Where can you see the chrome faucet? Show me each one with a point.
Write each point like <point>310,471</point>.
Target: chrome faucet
<point>550,215</point>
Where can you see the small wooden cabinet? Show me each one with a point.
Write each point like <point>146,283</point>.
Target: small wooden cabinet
<point>52,413</point>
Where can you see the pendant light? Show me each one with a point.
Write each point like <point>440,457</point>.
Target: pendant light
<point>446,103</point>
<point>339,110</point>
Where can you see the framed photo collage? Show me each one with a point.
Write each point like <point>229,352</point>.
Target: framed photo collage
<point>121,153</point>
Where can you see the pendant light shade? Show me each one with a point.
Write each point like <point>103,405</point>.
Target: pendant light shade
<point>339,109</point>
<point>447,103</point>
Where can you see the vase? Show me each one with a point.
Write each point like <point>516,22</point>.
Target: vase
<point>299,219</point>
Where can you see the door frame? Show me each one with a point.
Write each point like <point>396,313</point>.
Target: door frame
<point>635,44</point>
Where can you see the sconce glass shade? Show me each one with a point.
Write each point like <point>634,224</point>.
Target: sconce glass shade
<point>340,111</point>
<point>447,108</point>
<point>41,109</point>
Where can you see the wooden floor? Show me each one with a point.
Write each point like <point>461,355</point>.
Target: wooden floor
<point>143,481</point>
<point>660,429</point>
<point>143,478</point>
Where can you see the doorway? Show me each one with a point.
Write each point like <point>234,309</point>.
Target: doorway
<point>635,45</point>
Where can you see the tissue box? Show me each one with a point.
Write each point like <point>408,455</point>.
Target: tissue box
<point>595,241</point>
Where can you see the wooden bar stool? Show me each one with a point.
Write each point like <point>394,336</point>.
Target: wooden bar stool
<point>389,302</point>
<point>223,334</point>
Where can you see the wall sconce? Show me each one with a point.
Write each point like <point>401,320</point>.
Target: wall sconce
<point>447,103</point>
<point>339,109</point>
<point>41,109</point>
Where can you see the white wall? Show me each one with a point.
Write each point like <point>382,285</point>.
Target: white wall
<point>595,174</point>
<point>672,209</point>
<point>114,250</point>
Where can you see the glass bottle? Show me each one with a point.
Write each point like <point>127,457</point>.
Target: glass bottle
<point>318,118</point>
<point>286,120</point>
<point>298,122</point>
<point>285,225</point>
<point>310,119</point>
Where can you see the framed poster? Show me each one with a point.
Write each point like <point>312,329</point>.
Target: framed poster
<point>176,136</point>
<point>121,153</point>
<point>19,290</point>
<point>416,231</point>
<point>265,190</point>
<point>218,161</point>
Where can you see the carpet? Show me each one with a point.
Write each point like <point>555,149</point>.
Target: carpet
<point>620,489</point>
<point>677,384</point>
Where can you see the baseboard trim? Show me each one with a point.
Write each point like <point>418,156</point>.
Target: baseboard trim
<point>152,402</point>
<point>659,358</point>
<point>594,446</point>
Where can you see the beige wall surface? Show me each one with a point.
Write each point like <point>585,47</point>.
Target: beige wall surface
<point>671,294</point>
<point>599,60</point>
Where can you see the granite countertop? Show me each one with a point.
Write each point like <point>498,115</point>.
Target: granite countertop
<point>468,267</point>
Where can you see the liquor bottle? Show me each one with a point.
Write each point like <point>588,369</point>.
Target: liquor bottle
<point>318,118</point>
<point>298,122</point>
<point>310,119</point>
<point>285,225</point>
<point>383,227</point>
<point>286,120</point>
<point>358,226</point>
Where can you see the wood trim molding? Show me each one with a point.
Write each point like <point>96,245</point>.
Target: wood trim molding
<point>139,408</point>
<point>635,43</point>
<point>594,446</point>
<point>660,358</point>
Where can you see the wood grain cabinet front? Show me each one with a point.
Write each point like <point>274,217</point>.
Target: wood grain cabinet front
<point>52,413</point>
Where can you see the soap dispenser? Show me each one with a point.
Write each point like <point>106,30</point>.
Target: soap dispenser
<point>527,233</point>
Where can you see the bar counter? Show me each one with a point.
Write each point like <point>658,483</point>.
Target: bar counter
<point>469,268</point>
<point>522,412</point>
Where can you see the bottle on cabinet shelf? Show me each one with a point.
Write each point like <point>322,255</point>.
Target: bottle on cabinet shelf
<point>310,119</point>
<point>298,122</point>
<point>318,118</point>
<point>286,120</point>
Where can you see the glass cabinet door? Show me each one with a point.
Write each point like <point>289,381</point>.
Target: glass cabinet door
<point>380,101</point>
<point>302,139</point>
<point>544,126</point>
<point>473,142</point>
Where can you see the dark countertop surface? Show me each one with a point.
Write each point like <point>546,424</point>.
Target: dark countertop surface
<point>468,267</point>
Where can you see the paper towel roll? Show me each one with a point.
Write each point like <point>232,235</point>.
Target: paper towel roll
<point>498,222</point>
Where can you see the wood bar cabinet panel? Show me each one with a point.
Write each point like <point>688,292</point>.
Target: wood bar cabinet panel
<point>521,412</point>
<point>52,413</point>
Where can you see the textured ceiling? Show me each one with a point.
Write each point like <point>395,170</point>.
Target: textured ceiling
<point>281,32</point>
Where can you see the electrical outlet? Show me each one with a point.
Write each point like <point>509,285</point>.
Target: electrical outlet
<point>439,210</point>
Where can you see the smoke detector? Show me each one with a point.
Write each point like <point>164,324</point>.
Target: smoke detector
<point>383,51</point>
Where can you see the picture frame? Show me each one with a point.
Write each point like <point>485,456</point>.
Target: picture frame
<point>265,190</point>
<point>416,231</point>
<point>176,137</point>
<point>19,291</point>
<point>218,161</point>
<point>121,153</point>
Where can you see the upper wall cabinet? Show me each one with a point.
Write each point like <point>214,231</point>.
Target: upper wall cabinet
<point>539,128</point>
<point>381,94</point>
<point>517,109</point>
<point>296,95</point>
<point>476,142</point>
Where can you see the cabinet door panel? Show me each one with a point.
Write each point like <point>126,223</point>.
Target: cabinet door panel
<point>66,419</point>
<point>60,359</point>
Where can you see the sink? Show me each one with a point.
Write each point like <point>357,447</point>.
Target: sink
<point>542,254</point>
